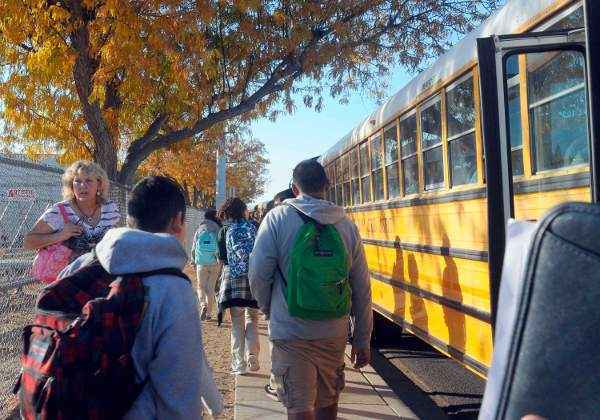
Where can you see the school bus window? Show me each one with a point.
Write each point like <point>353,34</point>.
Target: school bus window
<point>557,109</point>
<point>515,133</point>
<point>330,180</point>
<point>346,179</point>
<point>355,174</point>
<point>431,145</point>
<point>408,151</point>
<point>461,133</point>
<point>365,178</point>
<point>377,168</point>
<point>339,198</point>
<point>390,140</point>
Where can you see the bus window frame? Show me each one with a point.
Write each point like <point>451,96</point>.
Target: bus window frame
<point>430,102</point>
<point>394,125</point>
<point>351,153</point>
<point>526,108</point>
<point>449,139</point>
<point>412,113</point>
<point>373,137</point>
<point>364,144</point>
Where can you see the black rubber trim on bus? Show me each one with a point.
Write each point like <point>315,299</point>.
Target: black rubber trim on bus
<point>425,336</point>
<point>446,198</point>
<point>553,183</point>
<point>426,294</point>
<point>467,254</point>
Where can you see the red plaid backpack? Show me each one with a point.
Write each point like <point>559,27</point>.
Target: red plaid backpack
<point>76,360</point>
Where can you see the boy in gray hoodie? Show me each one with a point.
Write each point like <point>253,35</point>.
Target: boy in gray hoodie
<point>167,352</point>
<point>308,355</point>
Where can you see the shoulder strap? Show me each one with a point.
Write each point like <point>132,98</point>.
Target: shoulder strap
<point>63,213</point>
<point>305,218</point>
<point>164,271</point>
<point>281,274</point>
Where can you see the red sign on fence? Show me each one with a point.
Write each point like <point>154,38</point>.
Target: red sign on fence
<point>20,194</point>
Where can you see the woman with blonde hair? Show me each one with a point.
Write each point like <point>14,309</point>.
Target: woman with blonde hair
<point>82,219</point>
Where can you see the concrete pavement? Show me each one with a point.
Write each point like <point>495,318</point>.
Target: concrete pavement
<point>366,394</point>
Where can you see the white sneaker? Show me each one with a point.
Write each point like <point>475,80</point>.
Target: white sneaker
<point>253,364</point>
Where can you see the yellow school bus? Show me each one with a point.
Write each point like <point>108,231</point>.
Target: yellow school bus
<point>427,176</point>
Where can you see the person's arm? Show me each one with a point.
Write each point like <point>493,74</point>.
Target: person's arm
<point>361,303</point>
<point>193,250</point>
<point>263,263</point>
<point>179,377</point>
<point>43,235</point>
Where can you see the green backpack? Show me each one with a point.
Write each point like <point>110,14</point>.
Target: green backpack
<point>317,282</point>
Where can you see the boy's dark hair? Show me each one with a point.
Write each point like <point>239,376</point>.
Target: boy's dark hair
<point>310,177</point>
<point>211,214</point>
<point>233,208</point>
<point>283,195</point>
<point>154,202</point>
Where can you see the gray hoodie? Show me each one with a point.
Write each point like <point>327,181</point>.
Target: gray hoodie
<point>205,225</point>
<point>168,350</point>
<point>274,242</point>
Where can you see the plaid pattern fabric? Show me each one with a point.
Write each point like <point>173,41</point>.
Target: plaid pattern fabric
<point>235,291</point>
<point>76,361</point>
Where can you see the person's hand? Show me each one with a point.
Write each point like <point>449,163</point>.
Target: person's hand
<point>360,357</point>
<point>69,231</point>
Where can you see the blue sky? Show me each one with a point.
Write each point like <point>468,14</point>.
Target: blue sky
<point>307,133</point>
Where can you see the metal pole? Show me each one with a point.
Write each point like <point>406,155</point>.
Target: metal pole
<point>221,180</point>
<point>592,13</point>
<point>486,53</point>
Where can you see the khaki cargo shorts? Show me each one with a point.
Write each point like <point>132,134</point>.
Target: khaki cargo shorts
<point>308,374</point>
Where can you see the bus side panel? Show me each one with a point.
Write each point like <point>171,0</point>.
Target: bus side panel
<point>457,279</point>
<point>457,224</point>
<point>461,336</point>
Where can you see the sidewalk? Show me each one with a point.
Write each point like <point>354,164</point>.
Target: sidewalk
<point>366,394</point>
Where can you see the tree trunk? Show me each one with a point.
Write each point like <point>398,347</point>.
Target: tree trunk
<point>104,153</point>
<point>187,193</point>
<point>106,156</point>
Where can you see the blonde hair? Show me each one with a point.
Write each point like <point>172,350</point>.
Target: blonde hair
<point>89,168</point>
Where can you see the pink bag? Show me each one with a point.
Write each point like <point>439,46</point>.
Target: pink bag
<point>51,260</point>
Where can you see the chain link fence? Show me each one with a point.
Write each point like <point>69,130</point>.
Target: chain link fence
<point>26,191</point>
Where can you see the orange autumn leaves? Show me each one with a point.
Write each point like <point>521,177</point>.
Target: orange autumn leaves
<point>119,80</point>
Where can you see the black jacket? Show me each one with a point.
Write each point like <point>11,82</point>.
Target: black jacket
<point>222,256</point>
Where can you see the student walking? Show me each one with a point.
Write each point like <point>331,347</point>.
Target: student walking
<point>138,338</point>
<point>204,257</point>
<point>239,234</point>
<point>74,226</point>
<point>278,200</point>
<point>308,273</point>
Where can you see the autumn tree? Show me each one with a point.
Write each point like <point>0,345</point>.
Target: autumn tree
<point>117,80</point>
<point>193,165</point>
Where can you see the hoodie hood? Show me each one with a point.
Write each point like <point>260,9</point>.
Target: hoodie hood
<point>125,250</point>
<point>324,212</point>
<point>209,225</point>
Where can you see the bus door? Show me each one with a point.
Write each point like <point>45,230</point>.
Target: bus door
<point>540,98</point>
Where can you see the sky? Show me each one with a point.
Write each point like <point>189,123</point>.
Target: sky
<point>307,133</point>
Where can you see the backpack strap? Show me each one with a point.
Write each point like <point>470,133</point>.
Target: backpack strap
<point>281,274</point>
<point>305,218</point>
<point>164,271</point>
<point>63,213</point>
